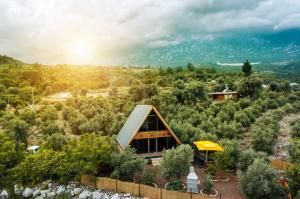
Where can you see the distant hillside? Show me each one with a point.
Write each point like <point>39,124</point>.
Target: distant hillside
<point>290,71</point>
<point>268,48</point>
<point>8,60</point>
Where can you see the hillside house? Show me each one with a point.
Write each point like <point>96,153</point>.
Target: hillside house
<point>221,96</point>
<point>147,132</point>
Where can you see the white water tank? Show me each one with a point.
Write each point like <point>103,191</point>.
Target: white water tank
<point>192,181</point>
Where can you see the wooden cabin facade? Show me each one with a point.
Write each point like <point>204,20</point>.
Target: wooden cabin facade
<point>221,96</point>
<point>147,132</point>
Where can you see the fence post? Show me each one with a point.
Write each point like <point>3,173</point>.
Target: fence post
<point>220,195</point>
<point>116,185</point>
<point>191,195</point>
<point>139,190</point>
<point>161,193</point>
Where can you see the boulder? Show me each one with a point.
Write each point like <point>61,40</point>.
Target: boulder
<point>44,193</point>
<point>18,189</point>
<point>4,194</point>
<point>115,196</point>
<point>77,191</point>
<point>69,186</point>
<point>27,192</point>
<point>127,195</point>
<point>60,190</point>
<point>49,185</point>
<point>39,197</point>
<point>36,193</point>
<point>96,195</point>
<point>72,193</point>
<point>51,195</point>
<point>107,196</point>
<point>84,195</point>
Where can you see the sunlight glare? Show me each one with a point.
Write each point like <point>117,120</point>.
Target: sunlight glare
<point>80,52</point>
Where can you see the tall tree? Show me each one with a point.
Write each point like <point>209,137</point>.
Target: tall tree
<point>247,68</point>
<point>190,67</point>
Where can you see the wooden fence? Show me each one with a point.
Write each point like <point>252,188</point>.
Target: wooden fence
<point>280,164</point>
<point>137,189</point>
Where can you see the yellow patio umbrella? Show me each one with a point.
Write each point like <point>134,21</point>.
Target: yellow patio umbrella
<point>208,146</point>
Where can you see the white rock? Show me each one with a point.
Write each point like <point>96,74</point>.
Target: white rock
<point>84,195</point>
<point>51,195</point>
<point>60,190</point>
<point>18,189</point>
<point>39,197</point>
<point>27,192</point>
<point>115,196</point>
<point>69,186</point>
<point>77,191</point>
<point>44,193</point>
<point>127,195</point>
<point>36,193</point>
<point>49,185</point>
<point>4,194</point>
<point>96,195</point>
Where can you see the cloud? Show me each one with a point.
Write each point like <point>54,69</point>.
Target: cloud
<point>41,30</point>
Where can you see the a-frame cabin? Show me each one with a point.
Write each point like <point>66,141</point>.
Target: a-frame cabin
<point>147,132</point>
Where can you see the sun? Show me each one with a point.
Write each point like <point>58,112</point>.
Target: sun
<point>79,51</point>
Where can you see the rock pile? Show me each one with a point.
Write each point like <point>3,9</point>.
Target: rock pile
<point>48,190</point>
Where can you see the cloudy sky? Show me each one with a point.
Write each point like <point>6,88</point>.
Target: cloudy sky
<point>102,31</point>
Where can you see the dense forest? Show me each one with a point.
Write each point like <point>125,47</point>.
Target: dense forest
<point>77,136</point>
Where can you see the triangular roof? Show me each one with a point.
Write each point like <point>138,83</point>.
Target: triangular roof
<point>134,123</point>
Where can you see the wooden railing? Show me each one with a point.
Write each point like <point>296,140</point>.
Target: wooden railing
<point>152,134</point>
<point>280,164</point>
<point>137,189</point>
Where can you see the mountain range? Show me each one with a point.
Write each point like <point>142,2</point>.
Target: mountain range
<point>278,47</point>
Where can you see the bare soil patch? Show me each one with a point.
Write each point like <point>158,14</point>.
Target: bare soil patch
<point>284,136</point>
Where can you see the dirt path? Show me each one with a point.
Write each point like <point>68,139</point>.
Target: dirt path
<point>246,141</point>
<point>281,146</point>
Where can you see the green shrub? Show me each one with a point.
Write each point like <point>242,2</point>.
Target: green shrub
<point>125,165</point>
<point>296,128</point>
<point>293,175</point>
<point>148,177</point>
<point>176,162</point>
<point>211,169</point>
<point>228,158</point>
<point>294,150</point>
<point>247,157</point>
<point>259,181</point>
<point>175,186</point>
<point>208,184</point>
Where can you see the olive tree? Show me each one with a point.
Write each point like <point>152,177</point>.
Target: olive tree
<point>294,180</point>
<point>251,86</point>
<point>260,181</point>
<point>248,156</point>
<point>10,154</point>
<point>126,165</point>
<point>176,162</point>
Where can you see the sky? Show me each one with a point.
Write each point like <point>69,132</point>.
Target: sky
<point>104,31</point>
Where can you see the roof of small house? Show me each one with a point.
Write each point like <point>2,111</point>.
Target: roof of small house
<point>134,123</point>
<point>224,93</point>
<point>34,147</point>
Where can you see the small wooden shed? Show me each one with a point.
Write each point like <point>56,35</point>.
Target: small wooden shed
<point>221,96</point>
<point>147,132</point>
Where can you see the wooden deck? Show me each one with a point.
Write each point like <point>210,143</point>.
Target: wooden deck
<point>149,155</point>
